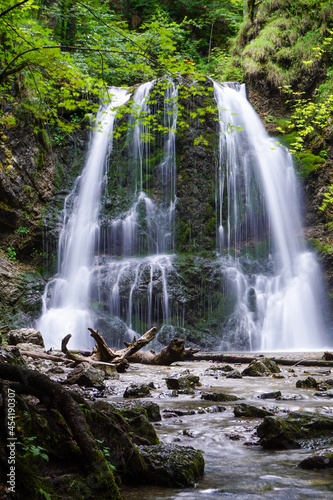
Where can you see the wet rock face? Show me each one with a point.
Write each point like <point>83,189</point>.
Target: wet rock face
<point>171,465</point>
<point>20,294</point>
<point>298,430</point>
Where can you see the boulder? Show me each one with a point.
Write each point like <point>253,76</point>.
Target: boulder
<point>219,396</point>
<point>308,383</point>
<point>320,460</point>
<point>171,465</point>
<point>142,431</point>
<point>270,395</point>
<point>25,336</point>
<point>185,382</point>
<point>137,391</point>
<point>261,368</point>
<point>131,409</point>
<point>234,374</point>
<point>244,410</point>
<point>298,430</point>
<point>11,355</point>
<point>86,375</point>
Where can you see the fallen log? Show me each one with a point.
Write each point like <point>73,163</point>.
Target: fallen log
<point>104,353</point>
<point>175,351</point>
<point>41,355</point>
<point>231,358</point>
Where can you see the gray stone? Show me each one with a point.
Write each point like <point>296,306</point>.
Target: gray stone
<point>137,391</point>
<point>219,396</point>
<point>86,375</point>
<point>248,411</point>
<point>25,335</point>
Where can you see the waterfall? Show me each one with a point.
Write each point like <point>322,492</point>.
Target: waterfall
<point>118,267</point>
<point>66,298</point>
<point>258,201</point>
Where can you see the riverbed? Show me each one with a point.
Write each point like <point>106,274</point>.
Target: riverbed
<point>236,467</point>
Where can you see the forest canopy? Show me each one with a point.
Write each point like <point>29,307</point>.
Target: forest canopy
<point>57,57</point>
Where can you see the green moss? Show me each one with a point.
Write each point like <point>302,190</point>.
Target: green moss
<point>307,162</point>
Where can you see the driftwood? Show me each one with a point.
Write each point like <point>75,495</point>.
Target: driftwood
<point>104,353</point>
<point>175,351</point>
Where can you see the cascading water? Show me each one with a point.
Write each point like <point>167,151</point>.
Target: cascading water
<point>66,298</point>
<point>262,290</point>
<point>258,199</point>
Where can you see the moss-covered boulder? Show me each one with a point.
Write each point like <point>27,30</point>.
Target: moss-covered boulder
<point>12,356</point>
<point>132,408</point>
<point>184,382</point>
<point>297,430</point>
<point>249,411</point>
<point>261,368</point>
<point>271,395</point>
<point>171,465</point>
<point>137,391</point>
<point>308,383</point>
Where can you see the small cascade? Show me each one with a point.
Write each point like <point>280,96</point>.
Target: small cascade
<point>276,280</point>
<point>132,276</point>
<point>66,298</point>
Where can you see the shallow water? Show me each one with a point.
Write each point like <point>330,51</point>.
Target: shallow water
<point>236,467</point>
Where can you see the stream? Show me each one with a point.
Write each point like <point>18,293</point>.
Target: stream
<point>236,467</point>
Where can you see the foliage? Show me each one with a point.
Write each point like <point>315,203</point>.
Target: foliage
<point>282,34</point>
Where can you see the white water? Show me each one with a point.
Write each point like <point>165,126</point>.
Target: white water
<point>277,292</point>
<point>278,310</point>
<point>67,309</point>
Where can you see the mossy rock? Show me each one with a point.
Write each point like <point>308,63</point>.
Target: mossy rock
<point>171,465</point>
<point>320,460</point>
<point>261,368</point>
<point>137,391</point>
<point>298,430</point>
<point>131,409</point>
<point>219,396</point>
<point>248,411</point>
<point>142,431</point>
<point>308,383</point>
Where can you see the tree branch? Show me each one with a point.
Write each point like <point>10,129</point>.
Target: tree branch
<point>6,73</point>
<point>5,12</point>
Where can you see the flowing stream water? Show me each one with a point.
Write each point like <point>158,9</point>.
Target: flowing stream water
<point>277,291</point>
